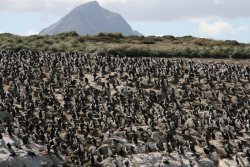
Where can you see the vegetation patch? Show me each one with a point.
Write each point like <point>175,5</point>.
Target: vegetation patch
<point>131,46</point>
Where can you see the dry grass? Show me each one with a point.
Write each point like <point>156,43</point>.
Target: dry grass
<point>132,46</point>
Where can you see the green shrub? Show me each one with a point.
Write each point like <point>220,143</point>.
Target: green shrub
<point>241,55</point>
<point>81,39</point>
<point>169,37</point>
<point>48,42</point>
<point>148,40</point>
<point>232,42</point>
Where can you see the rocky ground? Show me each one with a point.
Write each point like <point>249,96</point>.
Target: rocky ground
<point>135,112</point>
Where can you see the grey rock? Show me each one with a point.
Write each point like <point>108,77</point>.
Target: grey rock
<point>90,19</point>
<point>27,161</point>
<point>206,163</point>
<point>105,150</point>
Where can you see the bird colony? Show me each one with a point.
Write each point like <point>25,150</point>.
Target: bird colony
<point>106,110</point>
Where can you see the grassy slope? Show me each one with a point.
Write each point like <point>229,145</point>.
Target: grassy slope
<point>167,46</point>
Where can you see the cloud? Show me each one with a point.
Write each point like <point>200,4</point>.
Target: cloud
<point>1,32</point>
<point>218,2</point>
<point>166,10</point>
<point>143,10</point>
<point>54,7</point>
<point>213,29</point>
<point>218,28</point>
<point>243,28</point>
<point>30,32</point>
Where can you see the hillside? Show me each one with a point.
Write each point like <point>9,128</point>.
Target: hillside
<point>90,18</point>
<point>132,46</point>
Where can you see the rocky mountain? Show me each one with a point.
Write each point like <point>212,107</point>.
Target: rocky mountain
<point>90,18</point>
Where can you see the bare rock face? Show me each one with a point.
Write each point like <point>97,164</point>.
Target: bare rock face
<point>90,18</point>
<point>21,158</point>
<point>214,157</point>
<point>4,116</point>
<point>157,160</point>
<point>206,163</point>
<point>27,161</point>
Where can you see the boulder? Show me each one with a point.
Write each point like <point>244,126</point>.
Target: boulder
<point>206,163</point>
<point>105,150</point>
<point>28,161</point>
<point>4,116</point>
<point>156,137</point>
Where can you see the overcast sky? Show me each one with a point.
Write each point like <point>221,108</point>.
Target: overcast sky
<point>219,19</point>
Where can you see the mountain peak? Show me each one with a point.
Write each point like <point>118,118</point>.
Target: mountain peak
<point>88,7</point>
<point>90,19</point>
<point>89,4</point>
<point>95,3</point>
